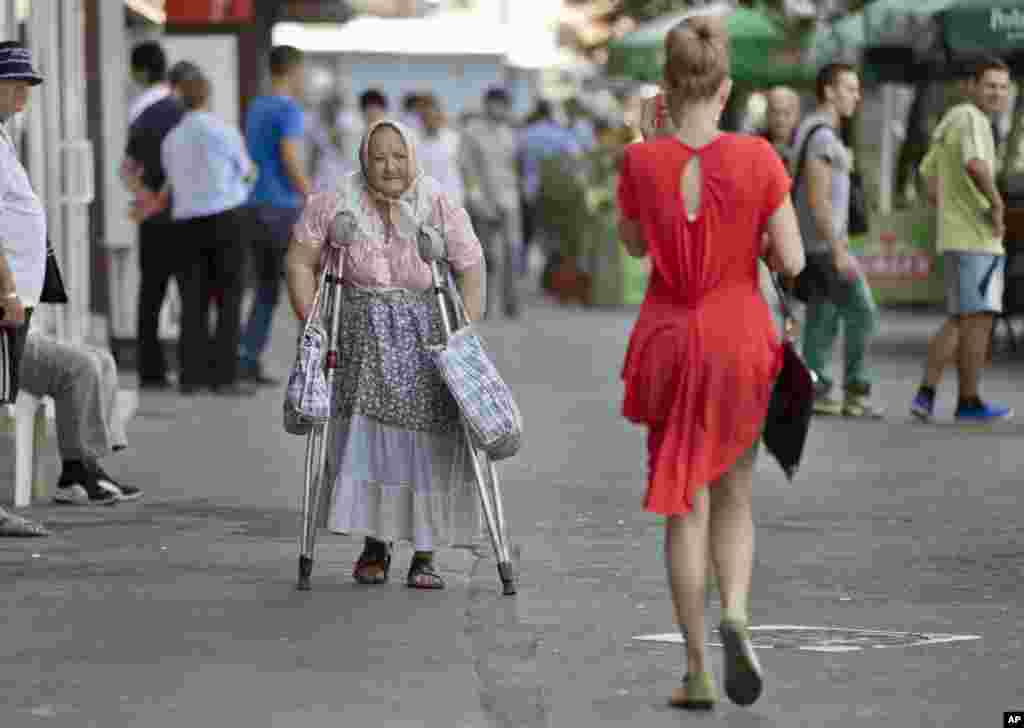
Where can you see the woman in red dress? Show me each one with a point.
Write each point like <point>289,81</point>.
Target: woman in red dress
<point>704,353</point>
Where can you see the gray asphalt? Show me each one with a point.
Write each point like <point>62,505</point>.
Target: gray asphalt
<point>180,610</point>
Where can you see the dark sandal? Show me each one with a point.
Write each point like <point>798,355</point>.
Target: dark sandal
<point>373,566</point>
<point>423,576</point>
<point>743,677</point>
<point>697,693</point>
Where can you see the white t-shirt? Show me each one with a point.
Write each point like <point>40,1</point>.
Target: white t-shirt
<point>22,225</point>
<point>439,157</point>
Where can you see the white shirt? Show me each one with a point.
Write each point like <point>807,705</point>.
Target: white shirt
<point>22,225</point>
<point>146,99</point>
<point>439,157</point>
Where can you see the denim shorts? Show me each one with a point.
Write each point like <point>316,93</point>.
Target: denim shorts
<point>974,282</point>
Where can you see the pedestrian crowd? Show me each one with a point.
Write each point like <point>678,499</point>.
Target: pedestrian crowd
<point>218,206</point>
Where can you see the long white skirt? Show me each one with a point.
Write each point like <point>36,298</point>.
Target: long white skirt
<point>399,483</point>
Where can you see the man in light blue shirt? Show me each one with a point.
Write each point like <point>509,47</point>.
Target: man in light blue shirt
<point>542,139</point>
<point>209,175</point>
<point>204,143</point>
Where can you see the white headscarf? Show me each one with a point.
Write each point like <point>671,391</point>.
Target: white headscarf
<point>411,209</point>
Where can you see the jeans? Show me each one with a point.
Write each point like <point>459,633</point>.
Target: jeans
<point>271,233</point>
<point>855,306</point>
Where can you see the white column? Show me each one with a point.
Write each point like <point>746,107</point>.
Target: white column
<point>76,172</point>
<point>42,130</point>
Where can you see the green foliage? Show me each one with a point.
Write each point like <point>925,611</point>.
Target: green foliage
<point>644,10</point>
<point>577,199</point>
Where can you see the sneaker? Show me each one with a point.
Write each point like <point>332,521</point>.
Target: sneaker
<point>825,404</point>
<point>79,486</point>
<point>125,492</point>
<point>981,412</point>
<point>857,402</point>
<point>923,407</point>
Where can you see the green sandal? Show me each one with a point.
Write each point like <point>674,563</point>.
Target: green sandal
<point>743,679</point>
<point>698,692</point>
<point>422,574</point>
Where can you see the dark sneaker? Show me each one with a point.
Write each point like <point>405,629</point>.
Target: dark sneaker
<point>923,407</point>
<point>980,412</point>
<point>126,492</point>
<point>79,486</point>
<point>155,385</point>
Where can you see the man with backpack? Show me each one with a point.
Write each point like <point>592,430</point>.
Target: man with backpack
<point>832,284</point>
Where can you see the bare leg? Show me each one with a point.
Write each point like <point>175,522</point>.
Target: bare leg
<point>732,536</point>
<point>943,350</point>
<point>686,548</point>
<point>975,333</point>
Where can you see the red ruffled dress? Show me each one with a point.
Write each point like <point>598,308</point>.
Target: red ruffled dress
<point>704,353</point>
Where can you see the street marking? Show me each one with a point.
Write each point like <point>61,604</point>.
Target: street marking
<point>827,639</point>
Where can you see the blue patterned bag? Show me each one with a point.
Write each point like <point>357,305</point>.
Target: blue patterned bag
<point>485,400</point>
<point>307,400</point>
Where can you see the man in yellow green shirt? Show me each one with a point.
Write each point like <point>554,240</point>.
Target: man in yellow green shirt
<point>960,173</point>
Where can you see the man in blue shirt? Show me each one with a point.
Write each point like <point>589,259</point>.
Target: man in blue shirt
<point>274,127</point>
<point>542,139</point>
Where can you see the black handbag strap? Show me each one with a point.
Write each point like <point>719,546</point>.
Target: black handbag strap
<point>798,171</point>
<point>787,311</point>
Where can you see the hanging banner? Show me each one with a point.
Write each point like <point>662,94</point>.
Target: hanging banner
<point>209,12</point>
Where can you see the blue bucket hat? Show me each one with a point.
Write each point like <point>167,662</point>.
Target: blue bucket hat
<point>16,64</point>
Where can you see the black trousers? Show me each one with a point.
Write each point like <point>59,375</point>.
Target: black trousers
<point>212,270</point>
<point>160,252</point>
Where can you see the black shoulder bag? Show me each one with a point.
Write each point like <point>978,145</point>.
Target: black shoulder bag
<point>792,402</point>
<point>819,278</point>
<point>53,281</point>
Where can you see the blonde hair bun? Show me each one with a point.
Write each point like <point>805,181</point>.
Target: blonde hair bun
<point>696,59</point>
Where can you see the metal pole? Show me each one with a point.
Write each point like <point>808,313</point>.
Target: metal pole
<point>319,439</point>
<point>486,477</point>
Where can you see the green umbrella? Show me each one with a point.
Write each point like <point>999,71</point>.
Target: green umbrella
<point>839,41</point>
<point>993,26</point>
<point>762,53</point>
<point>938,31</point>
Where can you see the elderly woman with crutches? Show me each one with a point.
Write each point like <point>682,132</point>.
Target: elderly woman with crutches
<point>400,468</point>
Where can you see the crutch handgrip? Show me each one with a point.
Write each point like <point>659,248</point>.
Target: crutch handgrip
<point>343,227</point>
<point>431,244</point>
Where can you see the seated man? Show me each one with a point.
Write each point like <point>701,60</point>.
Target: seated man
<point>83,383</point>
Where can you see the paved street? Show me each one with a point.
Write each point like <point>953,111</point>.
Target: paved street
<point>180,610</point>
